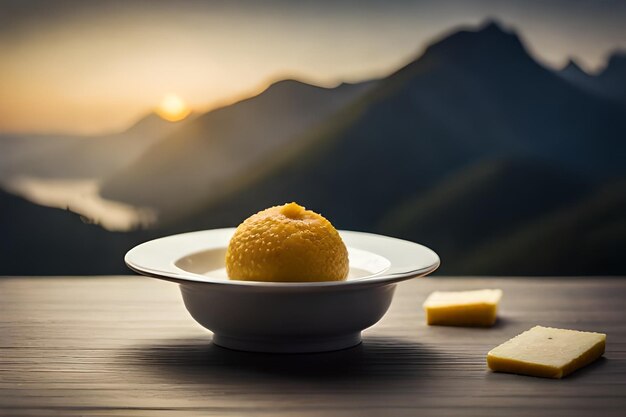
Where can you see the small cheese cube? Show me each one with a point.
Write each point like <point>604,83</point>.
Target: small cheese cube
<point>547,352</point>
<point>462,308</point>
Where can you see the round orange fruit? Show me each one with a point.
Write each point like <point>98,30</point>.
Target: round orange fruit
<point>286,244</point>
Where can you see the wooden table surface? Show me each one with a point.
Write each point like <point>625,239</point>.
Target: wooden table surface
<point>125,346</point>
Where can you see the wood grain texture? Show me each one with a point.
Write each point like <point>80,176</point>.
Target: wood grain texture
<point>125,346</point>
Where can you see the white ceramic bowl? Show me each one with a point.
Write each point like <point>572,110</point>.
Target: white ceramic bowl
<point>283,317</point>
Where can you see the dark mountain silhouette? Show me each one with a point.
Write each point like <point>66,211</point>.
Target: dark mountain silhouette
<point>613,78</point>
<point>587,238</point>
<point>195,163</point>
<point>575,74</point>
<point>473,96</point>
<point>609,83</point>
<point>482,205</point>
<point>80,157</point>
<point>47,241</point>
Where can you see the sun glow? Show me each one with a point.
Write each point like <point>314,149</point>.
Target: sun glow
<point>173,108</point>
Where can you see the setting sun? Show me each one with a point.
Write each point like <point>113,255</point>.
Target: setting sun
<point>173,108</point>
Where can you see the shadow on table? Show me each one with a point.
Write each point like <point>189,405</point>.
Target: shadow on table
<point>195,360</point>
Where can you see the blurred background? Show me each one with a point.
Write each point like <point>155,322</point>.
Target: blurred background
<point>492,131</point>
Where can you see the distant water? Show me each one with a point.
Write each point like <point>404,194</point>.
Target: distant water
<point>82,197</point>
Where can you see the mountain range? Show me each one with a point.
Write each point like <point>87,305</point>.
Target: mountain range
<point>501,165</point>
<point>474,96</point>
<point>195,164</point>
<point>39,240</point>
<point>609,82</point>
<point>73,157</point>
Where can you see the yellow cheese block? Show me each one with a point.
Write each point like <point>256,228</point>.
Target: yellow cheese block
<point>547,352</point>
<point>462,308</point>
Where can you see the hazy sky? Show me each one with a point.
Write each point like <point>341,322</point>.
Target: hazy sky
<point>93,66</point>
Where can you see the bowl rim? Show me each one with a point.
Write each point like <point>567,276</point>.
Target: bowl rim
<point>394,249</point>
